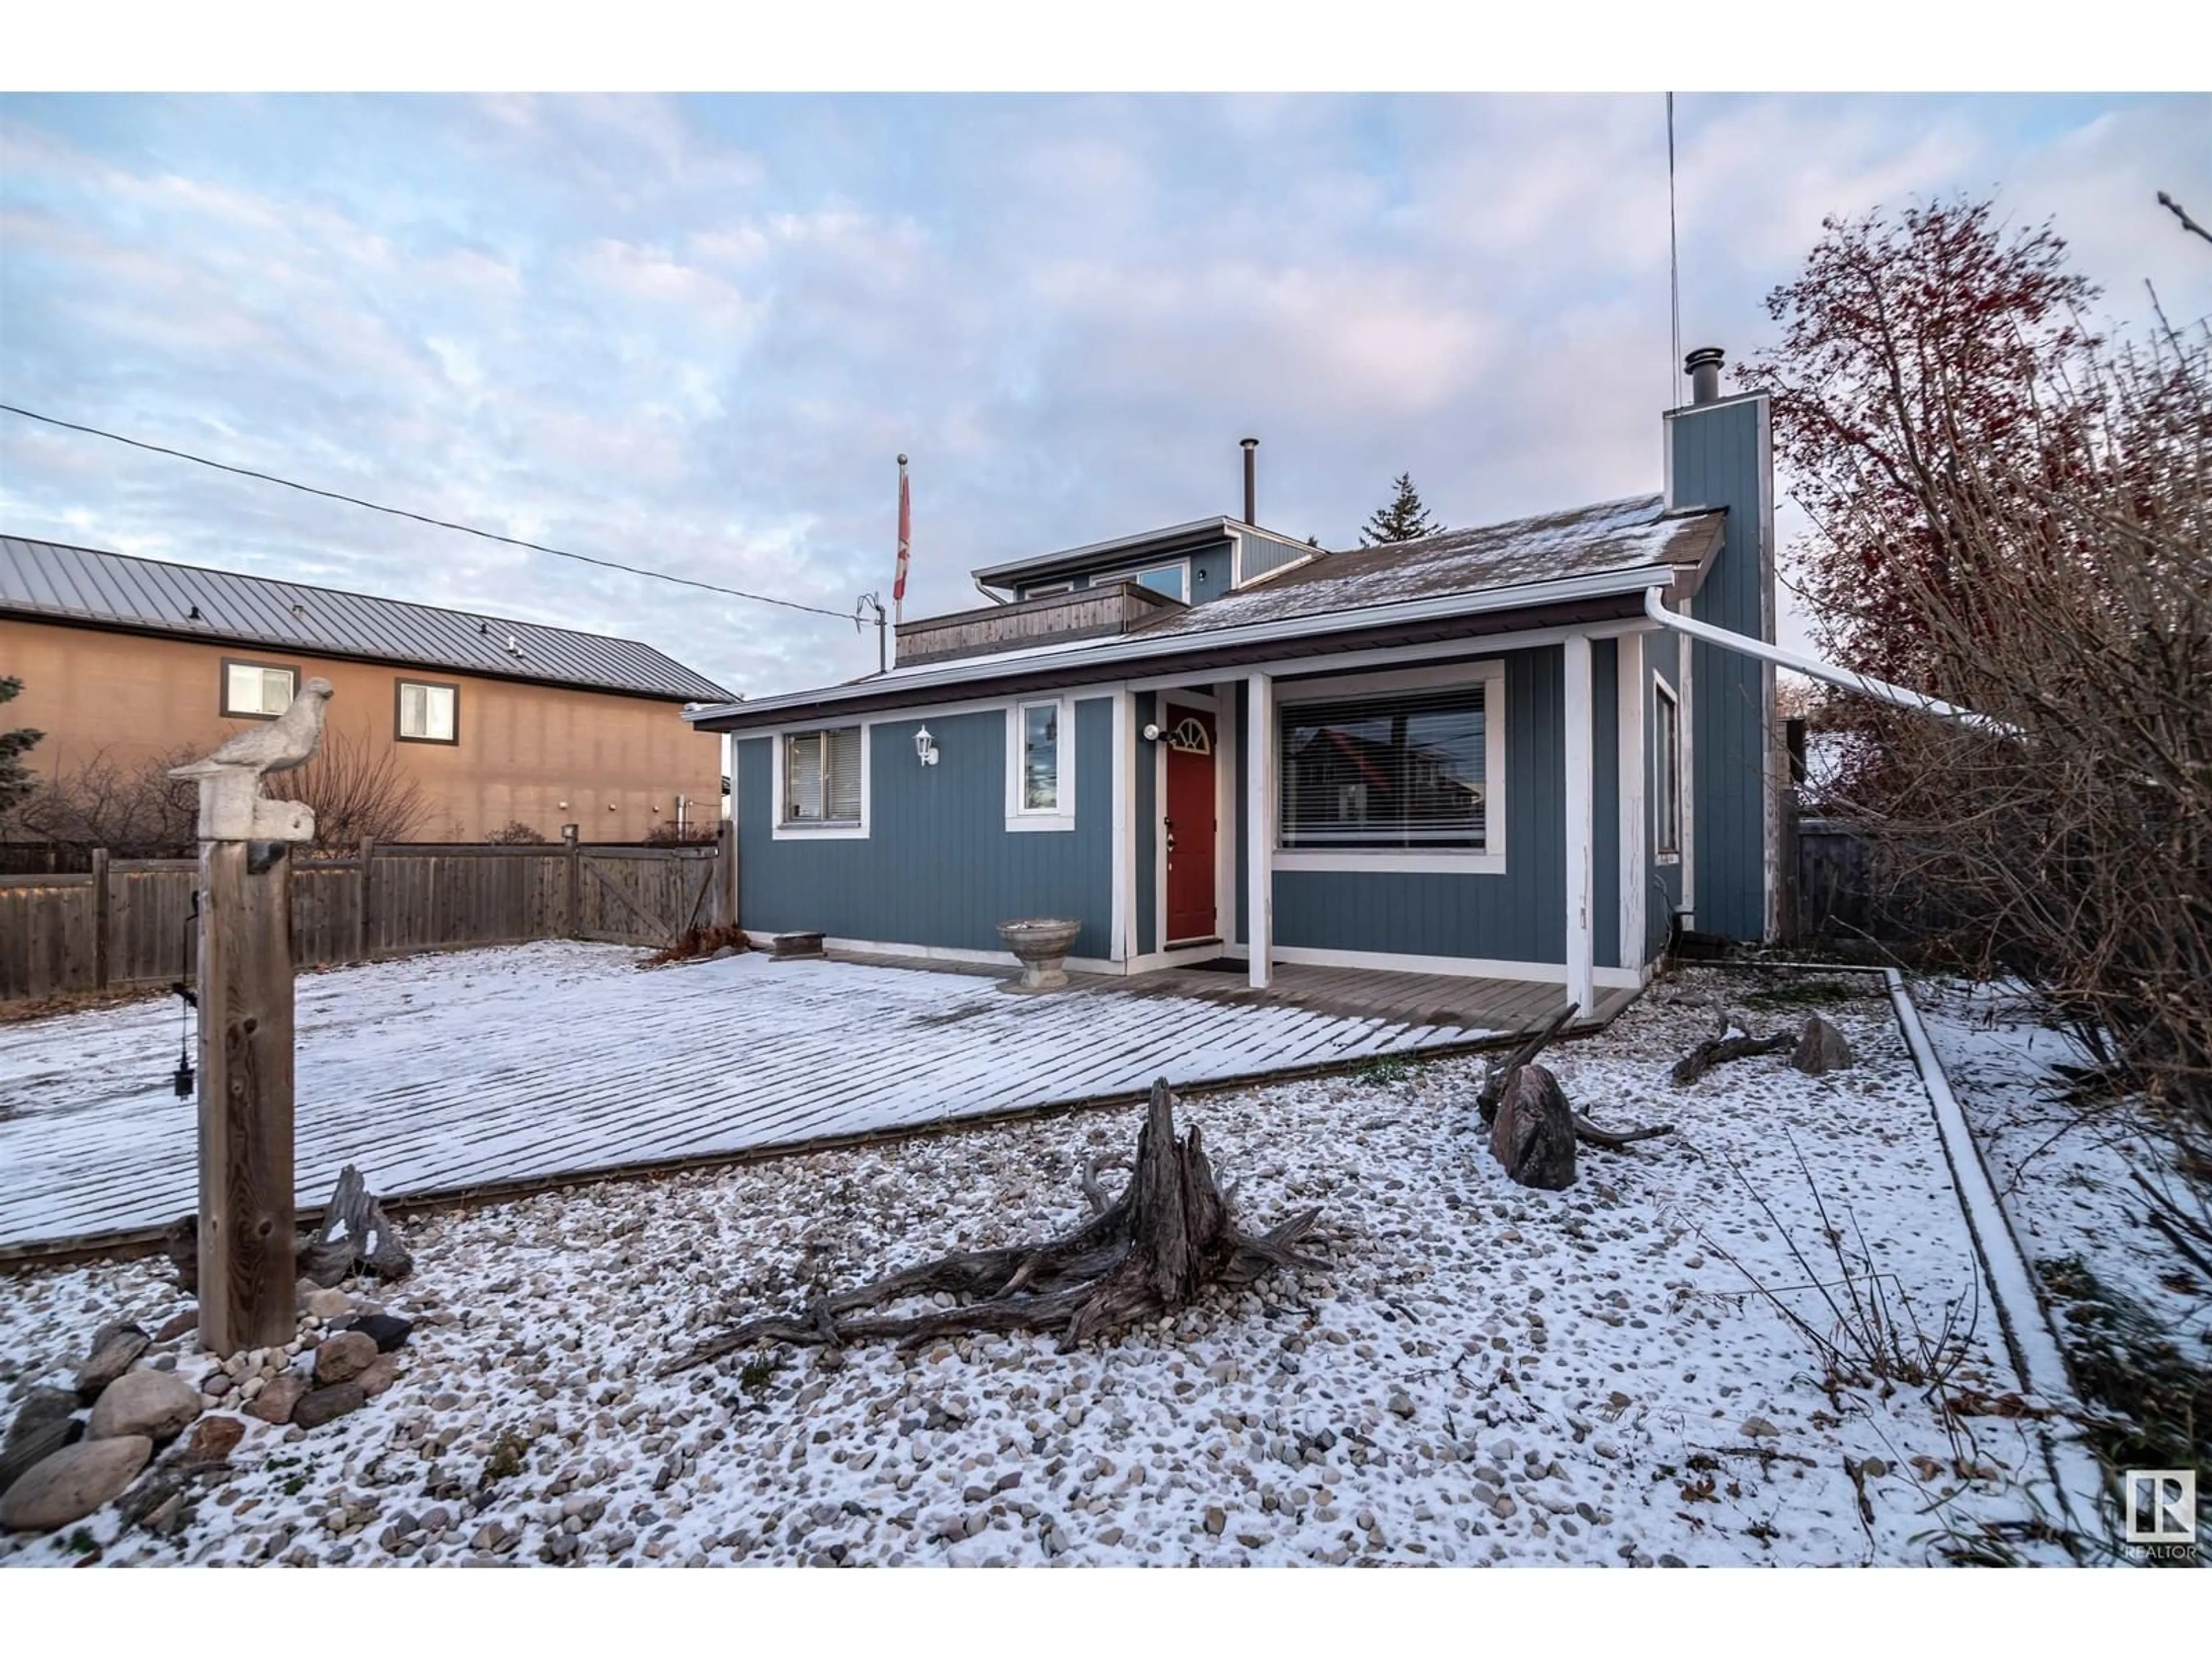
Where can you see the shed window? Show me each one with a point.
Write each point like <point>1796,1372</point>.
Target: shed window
<point>255,689</point>
<point>1666,764</point>
<point>427,712</point>
<point>1402,772</point>
<point>822,776</point>
<point>1040,757</point>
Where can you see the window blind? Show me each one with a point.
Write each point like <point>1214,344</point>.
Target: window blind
<point>1399,771</point>
<point>822,776</point>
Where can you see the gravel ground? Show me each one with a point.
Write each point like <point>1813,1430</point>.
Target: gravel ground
<point>1483,1374</point>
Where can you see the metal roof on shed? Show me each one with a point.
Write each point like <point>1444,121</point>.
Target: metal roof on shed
<point>120,590</point>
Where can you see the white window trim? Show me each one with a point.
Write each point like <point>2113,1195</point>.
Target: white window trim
<point>1047,590</point>
<point>1660,853</point>
<point>1130,572</point>
<point>1021,819</point>
<point>1491,860</point>
<point>779,761</point>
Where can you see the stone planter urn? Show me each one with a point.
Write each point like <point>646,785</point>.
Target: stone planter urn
<point>1040,944</point>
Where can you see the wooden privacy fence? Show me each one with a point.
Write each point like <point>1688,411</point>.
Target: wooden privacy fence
<point>128,922</point>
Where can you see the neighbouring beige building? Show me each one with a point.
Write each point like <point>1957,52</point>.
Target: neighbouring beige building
<point>500,722</point>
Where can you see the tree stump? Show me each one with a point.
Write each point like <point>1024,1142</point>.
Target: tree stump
<point>1168,1237</point>
<point>1533,1133</point>
<point>1822,1049</point>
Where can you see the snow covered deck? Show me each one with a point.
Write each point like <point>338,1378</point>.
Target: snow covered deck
<point>489,1068</point>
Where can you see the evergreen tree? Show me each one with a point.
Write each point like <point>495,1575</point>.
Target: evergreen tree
<point>15,778</point>
<point>1404,520</point>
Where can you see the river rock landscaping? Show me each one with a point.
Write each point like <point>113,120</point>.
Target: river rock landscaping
<point>1481,1373</point>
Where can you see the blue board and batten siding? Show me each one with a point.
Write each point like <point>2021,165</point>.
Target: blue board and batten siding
<point>1517,916</point>
<point>938,866</point>
<point>1605,802</point>
<point>1718,454</point>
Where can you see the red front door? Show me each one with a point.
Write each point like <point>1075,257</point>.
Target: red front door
<point>1189,829</point>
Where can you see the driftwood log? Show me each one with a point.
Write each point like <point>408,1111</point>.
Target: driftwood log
<point>1533,1134</point>
<point>1719,1050</point>
<point>1169,1236</point>
<point>356,1235</point>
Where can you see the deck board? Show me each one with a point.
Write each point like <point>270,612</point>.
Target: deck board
<point>487,1068</point>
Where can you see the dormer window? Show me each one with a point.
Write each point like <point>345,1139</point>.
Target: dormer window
<point>1172,579</point>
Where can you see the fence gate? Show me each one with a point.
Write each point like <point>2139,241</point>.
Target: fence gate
<point>645,896</point>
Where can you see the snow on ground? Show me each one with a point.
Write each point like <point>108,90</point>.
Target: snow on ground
<point>1483,1374</point>
<point>2063,1174</point>
<point>441,1072</point>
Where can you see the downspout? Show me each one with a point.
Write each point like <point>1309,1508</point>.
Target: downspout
<point>995,599</point>
<point>1881,690</point>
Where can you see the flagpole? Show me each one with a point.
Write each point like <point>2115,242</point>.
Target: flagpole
<point>905,533</point>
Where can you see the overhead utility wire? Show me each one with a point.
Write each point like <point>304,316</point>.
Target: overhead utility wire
<point>423,518</point>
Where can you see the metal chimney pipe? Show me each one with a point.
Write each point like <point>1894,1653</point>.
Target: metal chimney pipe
<point>1703,366</point>
<point>1251,480</point>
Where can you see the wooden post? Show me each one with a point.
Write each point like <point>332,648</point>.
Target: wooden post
<point>364,938</point>
<point>100,918</point>
<point>245,1218</point>
<point>576,867</point>
<point>726,850</point>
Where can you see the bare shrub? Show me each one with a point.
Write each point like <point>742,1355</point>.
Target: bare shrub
<point>358,790</point>
<point>133,808</point>
<point>515,834</point>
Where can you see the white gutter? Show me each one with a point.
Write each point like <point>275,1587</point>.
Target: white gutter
<point>1140,647</point>
<point>1881,690</point>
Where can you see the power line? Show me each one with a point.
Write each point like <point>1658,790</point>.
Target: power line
<point>424,518</point>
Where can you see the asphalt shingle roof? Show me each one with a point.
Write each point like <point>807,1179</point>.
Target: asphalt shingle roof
<point>120,590</point>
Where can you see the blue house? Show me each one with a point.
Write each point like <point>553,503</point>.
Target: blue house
<point>1518,751</point>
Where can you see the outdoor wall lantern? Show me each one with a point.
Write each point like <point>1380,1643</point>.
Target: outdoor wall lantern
<point>925,747</point>
<point>1151,733</point>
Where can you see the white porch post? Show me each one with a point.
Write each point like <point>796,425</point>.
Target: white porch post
<point>1259,816</point>
<point>1580,827</point>
<point>1635,877</point>
<point>1121,945</point>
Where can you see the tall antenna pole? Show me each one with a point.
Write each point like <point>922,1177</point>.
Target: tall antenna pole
<point>1674,266</point>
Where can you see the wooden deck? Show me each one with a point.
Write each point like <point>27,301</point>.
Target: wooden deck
<point>496,1071</point>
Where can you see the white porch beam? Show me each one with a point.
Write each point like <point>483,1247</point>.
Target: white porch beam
<point>1259,816</point>
<point>1635,822</point>
<point>1580,826</point>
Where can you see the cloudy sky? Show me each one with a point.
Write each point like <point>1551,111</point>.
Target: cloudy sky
<point>694,333</point>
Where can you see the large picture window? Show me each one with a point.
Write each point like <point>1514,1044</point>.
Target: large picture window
<point>1403,772</point>
<point>822,776</point>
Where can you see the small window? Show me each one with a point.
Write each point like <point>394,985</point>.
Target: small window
<point>253,690</point>
<point>1667,762</point>
<point>1172,579</point>
<point>1040,757</point>
<point>1047,590</point>
<point>822,776</point>
<point>428,712</point>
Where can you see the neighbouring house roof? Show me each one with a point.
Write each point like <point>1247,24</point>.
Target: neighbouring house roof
<point>1604,556</point>
<point>57,582</point>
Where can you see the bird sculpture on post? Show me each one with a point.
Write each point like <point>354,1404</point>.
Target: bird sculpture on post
<point>231,807</point>
<point>246,1266</point>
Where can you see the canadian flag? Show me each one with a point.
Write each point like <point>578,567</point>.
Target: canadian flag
<point>906,535</point>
